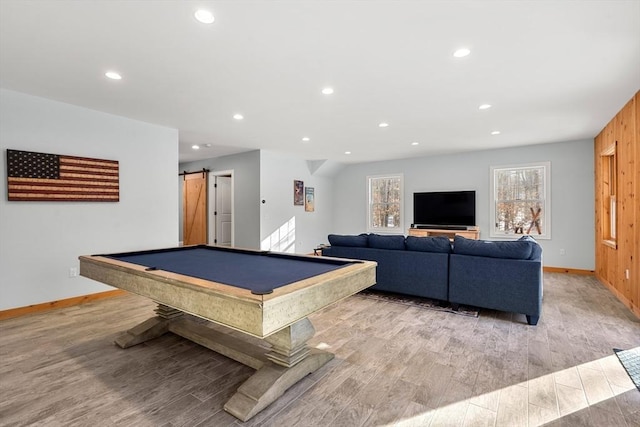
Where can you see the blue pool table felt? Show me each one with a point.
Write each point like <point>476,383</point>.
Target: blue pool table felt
<point>258,272</point>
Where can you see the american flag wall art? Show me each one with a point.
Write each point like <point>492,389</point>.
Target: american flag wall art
<point>51,177</point>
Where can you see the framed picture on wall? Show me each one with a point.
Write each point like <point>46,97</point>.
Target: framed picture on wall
<point>298,193</point>
<point>309,199</point>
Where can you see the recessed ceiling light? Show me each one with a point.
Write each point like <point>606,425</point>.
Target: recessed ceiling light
<point>204,16</point>
<point>461,53</point>
<point>383,125</point>
<point>195,147</point>
<point>327,90</point>
<point>415,143</point>
<point>113,75</point>
<point>207,145</point>
<point>484,107</point>
<point>306,139</point>
<point>347,152</point>
<point>495,132</point>
<point>238,116</point>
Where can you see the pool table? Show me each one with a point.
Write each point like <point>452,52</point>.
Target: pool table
<point>259,293</point>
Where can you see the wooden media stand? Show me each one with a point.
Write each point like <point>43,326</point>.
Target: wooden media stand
<point>471,233</point>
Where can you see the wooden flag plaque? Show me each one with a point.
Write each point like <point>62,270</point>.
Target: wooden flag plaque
<point>51,177</point>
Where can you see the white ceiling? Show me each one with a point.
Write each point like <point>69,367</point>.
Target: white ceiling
<point>552,70</point>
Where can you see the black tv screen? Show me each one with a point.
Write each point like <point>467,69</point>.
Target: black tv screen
<point>444,209</point>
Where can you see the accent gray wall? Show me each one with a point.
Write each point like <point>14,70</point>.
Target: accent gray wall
<point>246,188</point>
<point>572,192</point>
<point>267,175</point>
<point>40,241</point>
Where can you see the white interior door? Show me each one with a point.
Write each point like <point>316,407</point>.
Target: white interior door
<point>221,210</point>
<point>224,210</point>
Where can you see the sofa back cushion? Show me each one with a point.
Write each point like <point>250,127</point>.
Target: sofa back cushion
<point>438,244</point>
<point>393,242</point>
<point>519,249</point>
<point>360,241</point>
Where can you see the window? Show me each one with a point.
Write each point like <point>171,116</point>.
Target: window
<point>385,204</point>
<point>521,200</point>
<point>609,186</point>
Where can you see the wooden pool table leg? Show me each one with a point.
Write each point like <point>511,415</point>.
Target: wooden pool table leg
<point>289,346</point>
<point>150,328</point>
<point>290,361</point>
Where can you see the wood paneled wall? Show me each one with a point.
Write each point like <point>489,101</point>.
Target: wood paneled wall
<point>618,265</point>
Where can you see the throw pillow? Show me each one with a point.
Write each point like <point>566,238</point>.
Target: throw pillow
<point>536,249</point>
<point>394,242</point>
<point>352,241</point>
<point>438,244</point>
<point>518,249</point>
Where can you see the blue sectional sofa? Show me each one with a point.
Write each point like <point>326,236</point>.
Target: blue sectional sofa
<point>499,275</point>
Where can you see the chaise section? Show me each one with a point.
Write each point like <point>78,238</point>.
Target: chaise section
<point>504,276</point>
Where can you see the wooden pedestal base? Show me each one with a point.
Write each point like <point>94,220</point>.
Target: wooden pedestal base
<point>270,382</point>
<point>289,360</point>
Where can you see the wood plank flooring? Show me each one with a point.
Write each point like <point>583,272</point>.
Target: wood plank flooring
<point>395,365</point>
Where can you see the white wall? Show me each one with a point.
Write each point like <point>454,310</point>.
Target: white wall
<point>278,215</point>
<point>572,192</point>
<point>246,188</point>
<point>40,241</point>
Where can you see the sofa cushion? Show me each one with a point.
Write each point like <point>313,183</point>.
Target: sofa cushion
<point>438,244</point>
<point>518,249</point>
<point>360,241</point>
<point>394,242</point>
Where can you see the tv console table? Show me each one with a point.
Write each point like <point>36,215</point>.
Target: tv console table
<point>472,233</point>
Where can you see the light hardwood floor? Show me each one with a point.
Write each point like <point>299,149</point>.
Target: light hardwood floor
<point>394,365</point>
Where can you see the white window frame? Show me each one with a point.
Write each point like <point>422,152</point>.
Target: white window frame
<point>546,225</point>
<point>391,230</point>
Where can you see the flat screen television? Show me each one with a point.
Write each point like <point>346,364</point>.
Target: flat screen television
<point>444,209</point>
